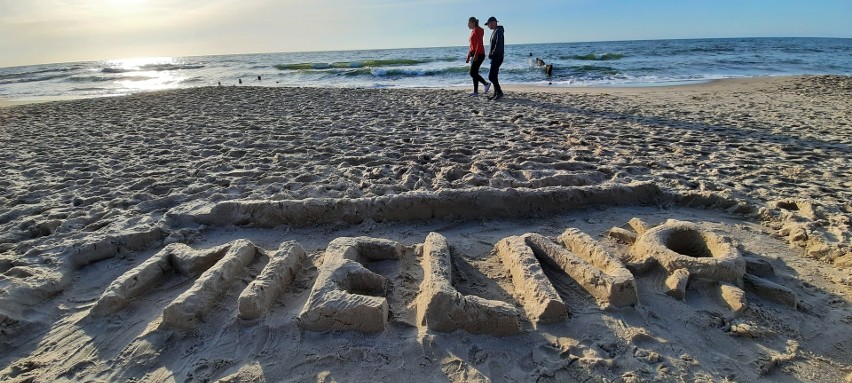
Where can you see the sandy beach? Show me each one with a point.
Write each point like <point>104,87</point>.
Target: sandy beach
<point>269,234</point>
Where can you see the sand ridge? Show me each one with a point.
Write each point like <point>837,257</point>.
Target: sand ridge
<point>103,186</point>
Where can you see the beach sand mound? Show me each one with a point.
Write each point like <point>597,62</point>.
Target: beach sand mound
<point>268,234</point>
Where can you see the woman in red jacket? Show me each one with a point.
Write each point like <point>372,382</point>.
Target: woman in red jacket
<point>477,53</point>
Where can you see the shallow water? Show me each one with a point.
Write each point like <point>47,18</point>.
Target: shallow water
<point>624,63</point>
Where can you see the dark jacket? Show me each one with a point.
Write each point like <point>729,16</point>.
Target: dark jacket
<point>495,49</point>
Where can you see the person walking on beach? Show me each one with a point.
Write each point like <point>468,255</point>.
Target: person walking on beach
<point>477,53</point>
<point>495,53</point>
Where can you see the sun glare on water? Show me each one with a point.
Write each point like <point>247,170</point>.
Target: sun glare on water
<point>146,73</point>
<point>140,63</point>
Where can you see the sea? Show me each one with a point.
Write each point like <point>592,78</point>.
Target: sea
<point>590,64</point>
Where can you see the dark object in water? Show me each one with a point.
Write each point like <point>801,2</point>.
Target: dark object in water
<point>548,68</point>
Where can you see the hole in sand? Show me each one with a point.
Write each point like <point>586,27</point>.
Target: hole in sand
<point>5,265</point>
<point>18,272</point>
<point>360,284</point>
<point>792,206</point>
<point>688,242</point>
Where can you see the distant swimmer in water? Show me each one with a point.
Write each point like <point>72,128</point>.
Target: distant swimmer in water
<point>258,78</point>
<point>241,81</point>
<point>220,83</point>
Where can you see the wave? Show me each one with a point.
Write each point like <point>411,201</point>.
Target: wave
<point>89,79</point>
<point>24,75</point>
<point>32,79</point>
<point>151,68</point>
<point>302,66</point>
<point>690,51</point>
<point>165,67</point>
<point>630,81</point>
<point>106,78</point>
<point>191,80</point>
<point>88,89</point>
<point>592,70</point>
<point>402,72</point>
<point>571,73</point>
<point>350,64</point>
<point>594,57</point>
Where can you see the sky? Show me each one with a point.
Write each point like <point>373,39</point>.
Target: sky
<point>51,31</point>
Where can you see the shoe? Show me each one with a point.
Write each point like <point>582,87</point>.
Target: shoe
<point>487,87</point>
<point>497,96</point>
<point>473,94</point>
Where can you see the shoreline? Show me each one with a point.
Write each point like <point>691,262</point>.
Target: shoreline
<point>726,83</point>
<point>651,88</point>
<point>7,102</point>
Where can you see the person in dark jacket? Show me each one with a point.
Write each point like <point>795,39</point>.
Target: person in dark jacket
<point>495,53</point>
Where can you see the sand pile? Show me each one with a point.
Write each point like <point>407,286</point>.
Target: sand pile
<point>273,234</point>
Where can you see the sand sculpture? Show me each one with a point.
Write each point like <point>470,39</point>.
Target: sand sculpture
<point>440,307</point>
<point>347,296</point>
<point>591,266</point>
<point>607,286</point>
<point>108,247</point>
<point>177,225</point>
<point>274,280</point>
<point>538,296</point>
<point>216,269</point>
<point>484,202</point>
<point>344,294</point>
<point>189,308</point>
<point>686,252</point>
<point>176,257</point>
<point>771,290</point>
<point>682,245</point>
<point>618,283</point>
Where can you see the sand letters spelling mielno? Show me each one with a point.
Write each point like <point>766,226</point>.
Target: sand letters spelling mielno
<point>248,234</point>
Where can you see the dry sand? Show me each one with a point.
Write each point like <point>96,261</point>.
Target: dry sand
<point>697,233</point>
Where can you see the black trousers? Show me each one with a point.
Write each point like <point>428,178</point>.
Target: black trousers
<point>494,72</point>
<point>474,72</point>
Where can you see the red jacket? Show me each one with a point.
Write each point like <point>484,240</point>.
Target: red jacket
<point>476,47</point>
